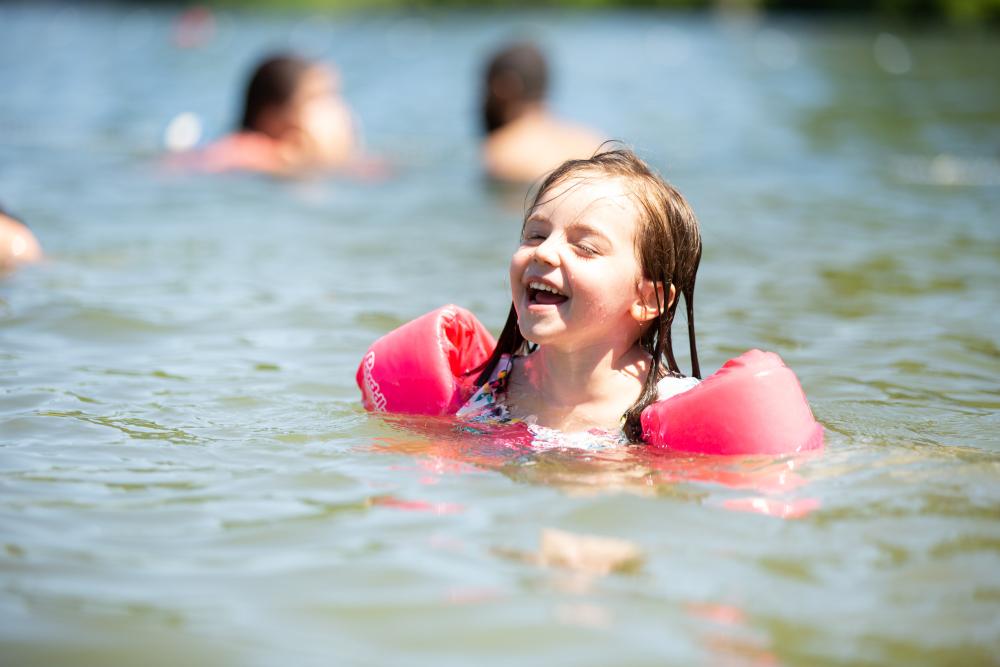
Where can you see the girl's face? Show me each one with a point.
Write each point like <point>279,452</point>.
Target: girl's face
<point>575,278</point>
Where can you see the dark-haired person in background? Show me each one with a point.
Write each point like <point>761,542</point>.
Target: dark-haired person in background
<point>294,122</point>
<point>523,139</point>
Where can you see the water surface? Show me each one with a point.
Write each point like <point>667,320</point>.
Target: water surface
<point>186,471</point>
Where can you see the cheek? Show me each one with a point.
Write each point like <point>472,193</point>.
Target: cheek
<point>609,293</point>
<point>514,275</point>
<point>518,261</point>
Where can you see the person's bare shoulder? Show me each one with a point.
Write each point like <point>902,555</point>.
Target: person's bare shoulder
<point>17,244</point>
<point>525,151</point>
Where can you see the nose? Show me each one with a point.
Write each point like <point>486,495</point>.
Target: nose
<point>547,252</point>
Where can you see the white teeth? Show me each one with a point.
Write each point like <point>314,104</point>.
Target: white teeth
<point>544,288</point>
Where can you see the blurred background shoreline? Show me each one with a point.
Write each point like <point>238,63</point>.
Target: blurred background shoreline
<point>956,12</point>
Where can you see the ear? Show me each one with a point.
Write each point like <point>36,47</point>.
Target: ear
<point>649,292</point>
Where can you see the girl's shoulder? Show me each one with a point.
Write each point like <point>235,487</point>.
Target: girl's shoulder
<point>671,386</point>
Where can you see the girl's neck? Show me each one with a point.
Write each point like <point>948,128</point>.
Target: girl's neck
<point>585,388</point>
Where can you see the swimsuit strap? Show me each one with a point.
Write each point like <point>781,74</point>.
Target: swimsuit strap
<point>498,382</point>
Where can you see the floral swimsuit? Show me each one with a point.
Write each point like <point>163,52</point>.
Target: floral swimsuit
<point>488,406</point>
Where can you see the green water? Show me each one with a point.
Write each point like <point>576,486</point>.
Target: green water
<point>186,476</point>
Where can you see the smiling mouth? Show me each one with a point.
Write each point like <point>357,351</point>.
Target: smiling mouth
<point>544,295</point>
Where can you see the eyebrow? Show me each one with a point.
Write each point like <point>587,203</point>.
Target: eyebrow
<point>588,229</point>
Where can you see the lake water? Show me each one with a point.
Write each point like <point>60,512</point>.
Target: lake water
<point>187,476</point>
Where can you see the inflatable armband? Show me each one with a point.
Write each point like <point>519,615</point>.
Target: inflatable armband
<point>422,368</point>
<point>752,405</point>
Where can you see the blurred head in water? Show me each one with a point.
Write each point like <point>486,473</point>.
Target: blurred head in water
<point>517,78</point>
<point>297,103</point>
<point>17,244</point>
<point>524,140</point>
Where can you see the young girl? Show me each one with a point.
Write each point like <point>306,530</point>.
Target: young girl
<point>607,248</point>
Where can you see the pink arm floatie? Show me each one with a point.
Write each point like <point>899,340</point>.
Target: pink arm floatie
<point>421,367</point>
<point>752,405</point>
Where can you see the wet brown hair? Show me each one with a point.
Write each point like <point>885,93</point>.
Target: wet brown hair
<point>515,75</point>
<point>272,84</point>
<point>668,247</point>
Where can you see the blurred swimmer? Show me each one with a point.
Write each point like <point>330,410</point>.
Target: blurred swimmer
<point>524,140</point>
<point>17,244</point>
<point>294,122</point>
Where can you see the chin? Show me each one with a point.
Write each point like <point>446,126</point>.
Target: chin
<point>538,334</point>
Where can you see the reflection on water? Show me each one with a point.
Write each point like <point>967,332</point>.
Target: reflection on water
<point>635,470</point>
<point>187,475</point>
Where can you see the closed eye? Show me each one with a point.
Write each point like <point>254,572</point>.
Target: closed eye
<point>589,242</point>
<point>535,230</point>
